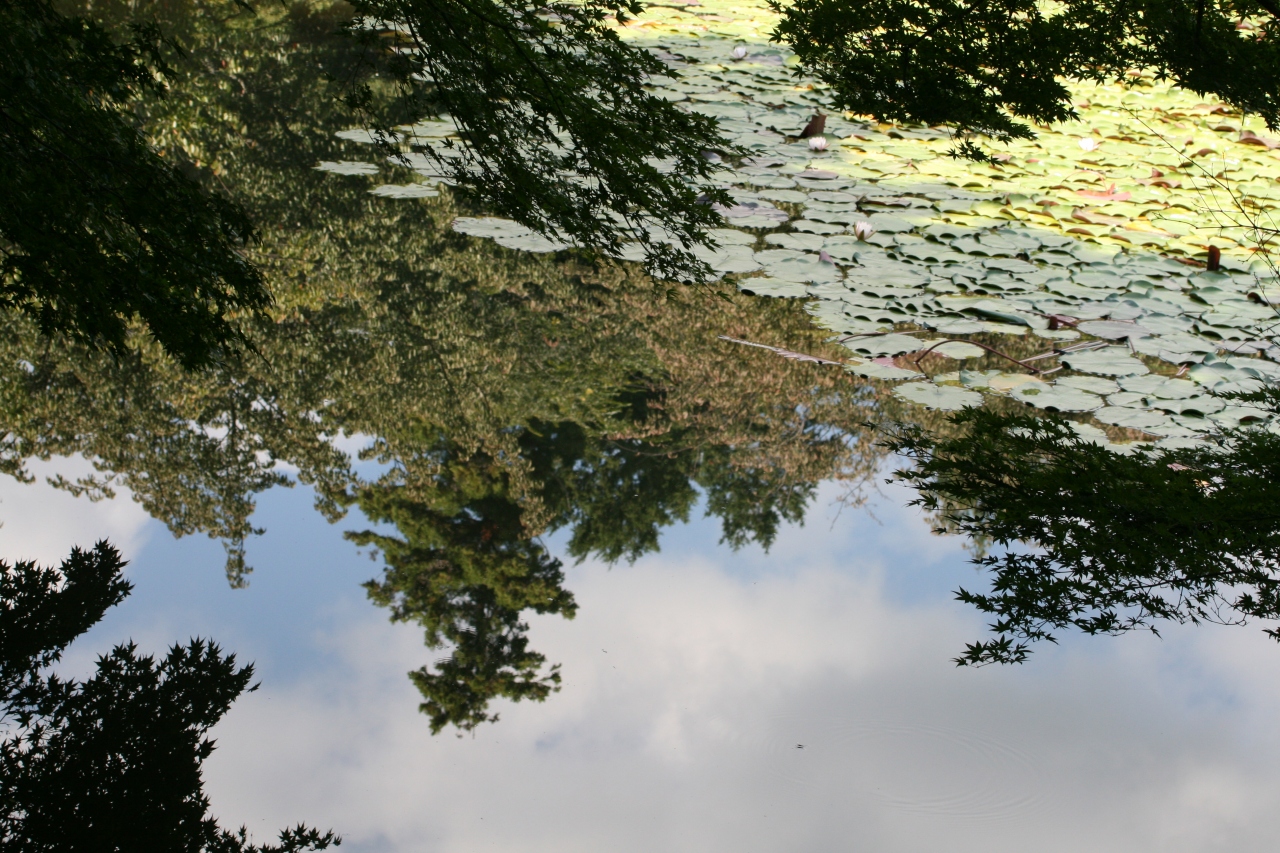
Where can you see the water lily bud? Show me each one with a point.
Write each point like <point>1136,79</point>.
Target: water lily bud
<point>863,230</point>
<point>1089,144</point>
<point>740,52</point>
<point>817,143</point>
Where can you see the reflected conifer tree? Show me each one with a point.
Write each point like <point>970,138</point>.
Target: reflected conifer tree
<point>504,395</point>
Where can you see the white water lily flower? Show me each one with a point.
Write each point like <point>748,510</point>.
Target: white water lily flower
<point>1089,144</point>
<point>817,143</point>
<point>740,52</point>
<point>863,230</point>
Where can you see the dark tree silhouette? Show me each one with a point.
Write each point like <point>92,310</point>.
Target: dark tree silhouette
<point>112,763</point>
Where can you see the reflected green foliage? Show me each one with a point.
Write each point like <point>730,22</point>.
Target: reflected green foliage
<point>464,567</point>
<point>112,763</point>
<point>981,65</point>
<point>561,133</point>
<point>96,228</point>
<point>502,395</point>
<point>1098,541</point>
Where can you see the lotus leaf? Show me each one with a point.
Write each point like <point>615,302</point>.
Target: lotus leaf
<point>1113,329</point>
<point>347,167</point>
<point>1112,361</point>
<point>1092,384</point>
<point>405,191</point>
<point>886,345</point>
<point>945,397</point>
<point>959,350</point>
<point>872,370</point>
<point>1141,419</point>
<point>1006,382</point>
<point>1058,398</point>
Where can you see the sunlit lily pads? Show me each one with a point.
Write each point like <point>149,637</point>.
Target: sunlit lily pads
<point>877,231</point>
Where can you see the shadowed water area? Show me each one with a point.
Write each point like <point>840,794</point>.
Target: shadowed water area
<point>532,553</point>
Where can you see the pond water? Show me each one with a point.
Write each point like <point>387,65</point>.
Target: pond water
<point>528,556</point>
<point>800,699</point>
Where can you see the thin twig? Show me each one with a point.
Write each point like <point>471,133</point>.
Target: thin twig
<point>785,353</point>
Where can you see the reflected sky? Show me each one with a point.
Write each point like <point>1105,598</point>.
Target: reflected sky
<point>800,700</point>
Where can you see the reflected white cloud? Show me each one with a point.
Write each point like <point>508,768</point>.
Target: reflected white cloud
<point>792,702</point>
<point>43,523</point>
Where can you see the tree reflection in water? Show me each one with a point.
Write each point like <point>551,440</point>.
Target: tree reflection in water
<point>505,395</point>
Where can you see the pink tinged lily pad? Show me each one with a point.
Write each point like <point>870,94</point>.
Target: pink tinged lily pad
<point>1109,194</point>
<point>1248,137</point>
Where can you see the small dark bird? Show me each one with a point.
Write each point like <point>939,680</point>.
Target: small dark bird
<point>816,125</point>
<point>1215,259</point>
<point>799,746</point>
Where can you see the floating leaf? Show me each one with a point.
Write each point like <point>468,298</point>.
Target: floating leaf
<point>1107,362</point>
<point>1112,329</point>
<point>959,350</point>
<point>405,191</point>
<point>1056,398</point>
<point>945,397</point>
<point>347,167</point>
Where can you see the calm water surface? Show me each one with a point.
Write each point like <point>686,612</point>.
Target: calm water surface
<point>712,700</point>
<point>548,439</point>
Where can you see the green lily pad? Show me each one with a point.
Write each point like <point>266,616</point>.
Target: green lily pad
<point>1142,419</point>
<point>959,350</point>
<point>1113,329</point>
<point>882,345</point>
<point>405,191</point>
<point>1056,398</point>
<point>871,370</point>
<point>944,397</point>
<point>1112,361</point>
<point>347,167</point>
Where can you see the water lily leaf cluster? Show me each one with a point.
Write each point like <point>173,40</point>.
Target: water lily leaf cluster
<point>1091,237</point>
<point>556,124</point>
<point>982,66</point>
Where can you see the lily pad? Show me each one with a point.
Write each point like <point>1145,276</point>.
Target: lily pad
<point>886,345</point>
<point>1106,362</point>
<point>405,191</point>
<point>871,370</point>
<point>944,397</point>
<point>1141,419</point>
<point>1006,382</point>
<point>1092,384</point>
<point>1113,329</point>
<point>1056,398</point>
<point>959,350</point>
<point>347,167</point>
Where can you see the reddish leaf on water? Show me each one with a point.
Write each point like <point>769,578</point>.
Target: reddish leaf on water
<point>1248,137</point>
<point>1109,194</point>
